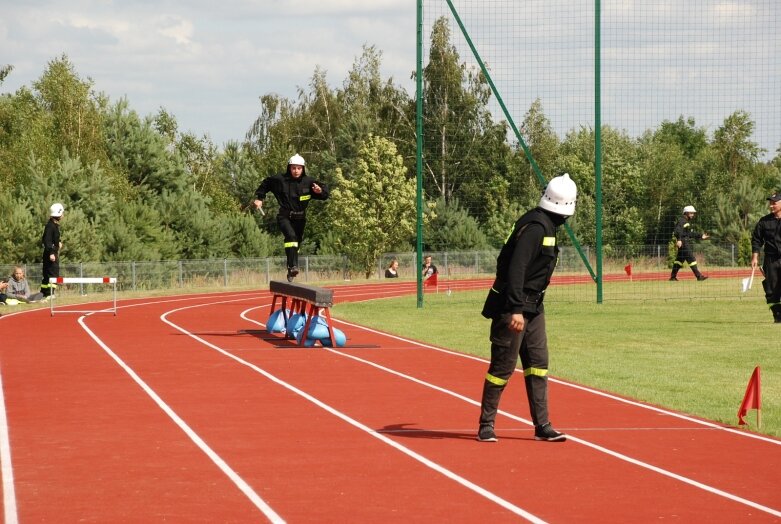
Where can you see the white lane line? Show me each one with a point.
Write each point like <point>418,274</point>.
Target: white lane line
<point>597,447</point>
<point>9,493</point>
<point>197,440</point>
<point>586,389</point>
<point>525,421</point>
<point>390,442</point>
<point>577,386</point>
<point>586,443</point>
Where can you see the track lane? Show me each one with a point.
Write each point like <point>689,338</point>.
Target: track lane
<point>88,446</point>
<point>296,453</point>
<point>433,439</point>
<point>335,386</point>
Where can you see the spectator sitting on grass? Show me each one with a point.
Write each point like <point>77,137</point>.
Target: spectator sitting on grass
<point>19,288</point>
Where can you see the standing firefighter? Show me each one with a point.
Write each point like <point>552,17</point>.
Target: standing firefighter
<point>515,307</point>
<point>683,241</point>
<point>767,233</point>
<point>51,248</point>
<point>293,191</point>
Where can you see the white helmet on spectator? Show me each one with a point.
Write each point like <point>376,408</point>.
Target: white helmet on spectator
<point>560,196</point>
<point>689,209</point>
<point>56,210</point>
<point>296,160</point>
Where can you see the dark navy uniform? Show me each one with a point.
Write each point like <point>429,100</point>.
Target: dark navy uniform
<point>293,196</point>
<point>767,234</point>
<point>684,232</point>
<point>523,272</point>
<point>51,246</point>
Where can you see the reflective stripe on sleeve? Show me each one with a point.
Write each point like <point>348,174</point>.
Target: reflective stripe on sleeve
<point>290,244</point>
<point>548,241</point>
<point>304,197</point>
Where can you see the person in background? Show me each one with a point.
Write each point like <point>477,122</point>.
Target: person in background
<point>51,249</point>
<point>3,289</point>
<point>767,234</point>
<point>393,269</point>
<point>515,306</point>
<point>19,288</point>
<point>293,190</point>
<point>429,269</point>
<point>684,235</point>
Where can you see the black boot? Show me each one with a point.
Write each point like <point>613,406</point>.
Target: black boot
<point>697,274</point>
<point>776,310</point>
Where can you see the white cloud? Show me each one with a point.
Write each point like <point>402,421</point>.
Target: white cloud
<point>209,62</point>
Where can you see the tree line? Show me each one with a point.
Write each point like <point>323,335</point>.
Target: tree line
<point>137,188</point>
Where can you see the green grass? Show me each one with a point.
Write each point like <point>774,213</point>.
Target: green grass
<point>689,356</point>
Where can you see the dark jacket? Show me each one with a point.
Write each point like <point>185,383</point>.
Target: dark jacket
<point>51,239</point>
<point>767,232</point>
<point>684,232</point>
<point>293,195</point>
<point>525,265</point>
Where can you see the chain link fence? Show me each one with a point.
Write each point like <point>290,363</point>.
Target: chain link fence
<point>631,273</point>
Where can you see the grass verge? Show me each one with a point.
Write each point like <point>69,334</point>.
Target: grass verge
<point>693,357</point>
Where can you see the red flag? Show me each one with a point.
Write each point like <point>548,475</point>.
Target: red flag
<point>752,398</point>
<point>628,269</point>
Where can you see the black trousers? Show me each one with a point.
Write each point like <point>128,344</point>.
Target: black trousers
<point>771,266</point>
<point>50,270</point>
<point>293,231</point>
<point>685,254</point>
<point>531,345</point>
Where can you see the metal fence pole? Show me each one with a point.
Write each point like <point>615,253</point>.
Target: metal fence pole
<point>225,271</point>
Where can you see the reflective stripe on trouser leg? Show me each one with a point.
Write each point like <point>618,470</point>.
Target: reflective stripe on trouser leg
<point>489,404</point>
<point>47,288</point>
<point>504,357</point>
<point>695,269</point>
<point>291,252</point>
<point>534,358</point>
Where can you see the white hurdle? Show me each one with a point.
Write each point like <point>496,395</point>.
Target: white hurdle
<point>83,280</point>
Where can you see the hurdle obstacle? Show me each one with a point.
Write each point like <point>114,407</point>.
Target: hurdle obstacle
<point>82,280</point>
<point>301,295</point>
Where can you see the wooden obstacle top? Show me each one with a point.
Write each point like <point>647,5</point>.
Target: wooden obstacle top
<point>319,296</point>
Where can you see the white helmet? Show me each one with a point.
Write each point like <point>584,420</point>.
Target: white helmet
<point>56,210</point>
<point>689,209</point>
<point>560,196</point>
<point>296,160</point>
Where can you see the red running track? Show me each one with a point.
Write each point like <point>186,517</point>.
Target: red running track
<point>182,409</point>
